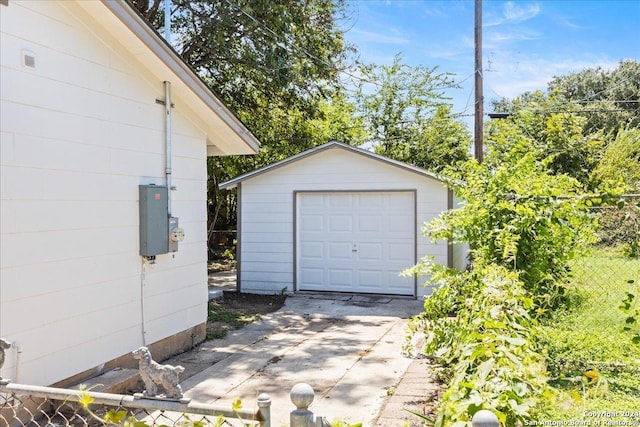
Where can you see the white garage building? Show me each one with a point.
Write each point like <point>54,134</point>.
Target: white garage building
<point>337,218</point>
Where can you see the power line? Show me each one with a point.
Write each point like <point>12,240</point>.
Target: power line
<point>611,110</point>
<point>583,101</point>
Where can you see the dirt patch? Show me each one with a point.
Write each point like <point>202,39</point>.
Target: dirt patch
<point>221,265</point>
<point>236,309</point>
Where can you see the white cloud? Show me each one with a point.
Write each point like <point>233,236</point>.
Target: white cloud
<point>434,9</point>
<point>515,13</point>
<point>517,74</point>
<point>389,37</point>
<point>567,23</point>
<point>493,38</point>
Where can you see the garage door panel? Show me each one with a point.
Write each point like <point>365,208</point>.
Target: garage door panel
<point>339,251</point>
<point>371,279</point>
<point>399,284</point>
<point>340,201</point>
<point>313,276</point>
<point>370,223</point>
<point>400,224</point>
<point>312,250</point>
<point>371,251</point>
<point>311,223</point>
<point>400,252</point>
<point>338,278</point>
<point>340,223</point>
<point>371,201</point>
<point>367,239</point>
<point>311,200</point>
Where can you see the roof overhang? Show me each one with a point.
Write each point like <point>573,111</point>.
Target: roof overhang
<point>226,135</point>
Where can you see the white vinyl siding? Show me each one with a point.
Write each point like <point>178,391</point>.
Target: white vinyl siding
<point>266,222</point>
<point>80,132</point>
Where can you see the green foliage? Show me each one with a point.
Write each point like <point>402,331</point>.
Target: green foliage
<point>283,131</point>
<point>553,131</point>
<point>631,308</point>
<point>478,324</point>
<point>524,223</point>
<point>407,118</point>
<point>515,215</point>
<point>619,226</point>
<point>442,142</point>
<point>620,164</point>
<point>339,423</point>
<point>285,50</point>
<point>608,99</point>
<point>228,319</point>
<point>577,120</point>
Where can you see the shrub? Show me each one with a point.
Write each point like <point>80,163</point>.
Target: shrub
<point>478,324</point>
<point>620,226</point>
<point>518,216</point>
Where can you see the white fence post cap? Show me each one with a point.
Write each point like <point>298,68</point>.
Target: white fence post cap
<point>302,395</point>
<point>485,418</point>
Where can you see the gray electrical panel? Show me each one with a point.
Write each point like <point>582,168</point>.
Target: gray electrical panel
<point>154,220</point>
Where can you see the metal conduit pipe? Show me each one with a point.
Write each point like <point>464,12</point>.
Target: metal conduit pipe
<point>167,140</point>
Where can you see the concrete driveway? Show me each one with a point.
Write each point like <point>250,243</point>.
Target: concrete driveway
<point>348,348</point>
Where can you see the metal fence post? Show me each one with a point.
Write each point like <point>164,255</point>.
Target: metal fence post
<point>264,409</point>
<point>302,396</point>
<point>484,418</point>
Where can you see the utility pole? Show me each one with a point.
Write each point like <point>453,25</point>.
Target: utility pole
<point>479,110</point>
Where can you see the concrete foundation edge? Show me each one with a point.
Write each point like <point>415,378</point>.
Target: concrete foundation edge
<point>161,350</point>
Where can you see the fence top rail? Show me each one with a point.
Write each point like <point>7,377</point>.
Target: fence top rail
<point>134,401</point>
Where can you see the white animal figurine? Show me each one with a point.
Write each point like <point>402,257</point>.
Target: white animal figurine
<point>154,374</point>
<point>4,345</point>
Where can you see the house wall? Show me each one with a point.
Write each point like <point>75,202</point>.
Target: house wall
<point>79,133</point>
<point>267,211</point>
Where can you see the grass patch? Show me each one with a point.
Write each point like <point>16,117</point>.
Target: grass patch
<point>590,358</point>
<point>222,320</point>
<point>235,310</point>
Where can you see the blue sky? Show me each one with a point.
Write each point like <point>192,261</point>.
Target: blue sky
<point>525,43</point>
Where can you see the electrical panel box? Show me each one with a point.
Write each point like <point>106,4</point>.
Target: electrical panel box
<point>154,220</point>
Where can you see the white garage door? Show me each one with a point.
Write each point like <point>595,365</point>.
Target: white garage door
<point>356,242</point>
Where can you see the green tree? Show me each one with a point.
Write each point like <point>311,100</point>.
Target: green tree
<point>608,99</point>
<point>553,131</point>
<point>256,51</point>
<point>406,115</point>
<point>579,115</point>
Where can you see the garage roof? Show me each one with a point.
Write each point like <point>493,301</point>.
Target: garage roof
<point>332,144</point>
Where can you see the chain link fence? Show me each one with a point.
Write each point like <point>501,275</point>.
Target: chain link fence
<point>598,332</point>
<point>23,405</point>
<point>602,278</point>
